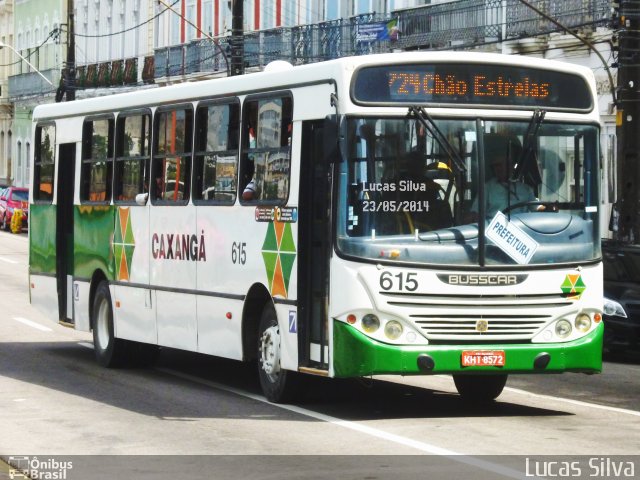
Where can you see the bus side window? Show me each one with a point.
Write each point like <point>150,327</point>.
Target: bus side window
<point>133,151</point>
<point>44,163</point>
<point>171,169</point>
<point>216,153</point>
<point>266,150</point>
<point>97,160</point>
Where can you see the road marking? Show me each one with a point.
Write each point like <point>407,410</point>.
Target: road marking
<point>374,432</point>
<point>86,345</point>
<point>32,324</point>
<point>575,402</point>
<point>8,260</point>
<point>580,403</point>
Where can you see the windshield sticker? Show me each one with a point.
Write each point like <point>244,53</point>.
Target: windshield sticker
<point>511,239</point>
<point>279,214</point>
<point>573,286</point>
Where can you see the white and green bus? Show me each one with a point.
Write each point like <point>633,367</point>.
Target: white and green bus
<point>409,213</point>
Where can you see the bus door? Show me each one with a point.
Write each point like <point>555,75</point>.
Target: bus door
<point>314,248</point>
<point>64,230</point>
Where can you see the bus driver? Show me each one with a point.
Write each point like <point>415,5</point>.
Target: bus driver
<point>500,190</point>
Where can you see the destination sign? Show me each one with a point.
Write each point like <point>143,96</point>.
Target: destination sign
<point>472,84</point>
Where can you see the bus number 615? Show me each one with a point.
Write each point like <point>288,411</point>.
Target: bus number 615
<point>238,253</point>
<point>399,281</point>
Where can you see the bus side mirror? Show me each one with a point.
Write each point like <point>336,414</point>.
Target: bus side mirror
<point>331,139</point>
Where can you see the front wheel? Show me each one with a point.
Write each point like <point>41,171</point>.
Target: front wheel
<point>110,351</point>
<point>480,388</point>
<point>278,385</point>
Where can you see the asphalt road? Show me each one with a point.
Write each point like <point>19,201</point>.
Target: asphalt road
<point>190,410</point>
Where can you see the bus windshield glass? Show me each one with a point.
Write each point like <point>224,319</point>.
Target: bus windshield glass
<point>413,191</point>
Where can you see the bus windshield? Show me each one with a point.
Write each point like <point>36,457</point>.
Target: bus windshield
<point>413,191</point>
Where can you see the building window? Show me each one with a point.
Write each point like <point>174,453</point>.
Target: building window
<point>97,160</point>
<point>27,170</point>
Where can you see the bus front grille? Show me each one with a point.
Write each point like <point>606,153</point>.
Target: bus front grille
<point>482,318</point>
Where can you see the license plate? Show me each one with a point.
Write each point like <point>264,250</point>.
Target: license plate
<point>483,358</point>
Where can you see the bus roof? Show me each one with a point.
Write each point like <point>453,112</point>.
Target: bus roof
<point>338,71</point>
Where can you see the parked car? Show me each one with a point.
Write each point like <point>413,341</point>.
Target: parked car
<point>12,198</point>
<point>622,296</point>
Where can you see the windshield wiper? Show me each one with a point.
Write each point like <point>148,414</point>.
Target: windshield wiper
<point>523,165</point>
<point>425,119</point>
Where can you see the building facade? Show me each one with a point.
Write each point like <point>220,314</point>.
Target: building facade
<point>37,27</point>
<point>126,44</point>
<point>7,57</point>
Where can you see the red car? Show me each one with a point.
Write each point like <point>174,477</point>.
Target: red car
<point>11,199</point>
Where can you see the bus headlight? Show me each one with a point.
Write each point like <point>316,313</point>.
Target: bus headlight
<point>583,322</point>
<point>370,323</point>
<point>563,328</point>
<point>393,329</point>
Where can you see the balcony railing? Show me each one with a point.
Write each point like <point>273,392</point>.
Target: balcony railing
<point>30,84</point>
<point>455,24</point>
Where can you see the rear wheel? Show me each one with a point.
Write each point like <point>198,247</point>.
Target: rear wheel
<point>5,225</point>
<point>480,388</point>
<point>110,351</point>
<point>278,385</point>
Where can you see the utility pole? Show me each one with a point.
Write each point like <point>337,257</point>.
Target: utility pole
<point>67,85</point>
<point>70,86</point>
<point>627,229</point>
<point>237,37</point>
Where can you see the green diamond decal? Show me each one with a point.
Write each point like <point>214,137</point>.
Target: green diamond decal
<point>573,286</point>
<point>279,255</point>
<point>123,244</point>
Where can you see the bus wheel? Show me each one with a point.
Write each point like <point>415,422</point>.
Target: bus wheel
<point>110,351</point>
<point>278,385</point>
<point>480,388</point>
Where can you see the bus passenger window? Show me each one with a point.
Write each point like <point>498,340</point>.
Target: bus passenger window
<point>171,168</point>
<point>44,163</point>
<point>216,153</point>
<point>97,159</point>
<point>266,156</point>
<point>133,151</point>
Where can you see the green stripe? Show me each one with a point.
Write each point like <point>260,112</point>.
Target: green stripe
<point>42,238</point>
<point>355,355</point>
<point>93,233</point>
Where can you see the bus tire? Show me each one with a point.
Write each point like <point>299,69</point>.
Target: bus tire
<point>278,385</point>
<point>110,352</point>
<point>480,388</point>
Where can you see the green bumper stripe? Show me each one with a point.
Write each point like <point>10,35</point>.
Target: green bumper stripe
<point>355,354</point>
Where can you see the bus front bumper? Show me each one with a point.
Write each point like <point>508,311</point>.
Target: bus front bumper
<point>355,354</point>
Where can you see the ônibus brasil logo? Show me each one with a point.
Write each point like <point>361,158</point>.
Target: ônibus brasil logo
<point>279,254</point>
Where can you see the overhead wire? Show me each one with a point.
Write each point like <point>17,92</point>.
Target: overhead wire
<point>55,31</point>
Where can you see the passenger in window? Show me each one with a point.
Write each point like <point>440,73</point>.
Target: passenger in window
<point>159,192</point>
<point>252,138</point>
<point>249,193</point>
